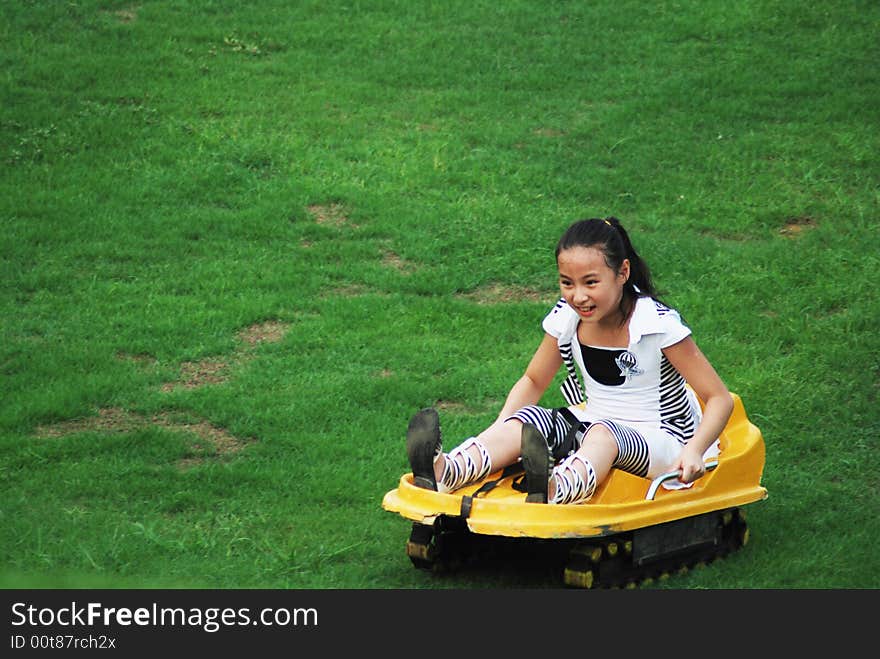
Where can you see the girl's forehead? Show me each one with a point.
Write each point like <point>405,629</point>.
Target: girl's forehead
<point>581,258</point>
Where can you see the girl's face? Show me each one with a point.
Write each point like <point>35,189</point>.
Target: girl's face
<point>589,286</point>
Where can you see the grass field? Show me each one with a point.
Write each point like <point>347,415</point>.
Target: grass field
<point>242,243</point>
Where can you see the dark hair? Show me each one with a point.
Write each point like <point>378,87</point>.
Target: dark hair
<point>609,237</point>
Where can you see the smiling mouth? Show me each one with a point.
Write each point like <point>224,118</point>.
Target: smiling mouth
<point>586,309</point>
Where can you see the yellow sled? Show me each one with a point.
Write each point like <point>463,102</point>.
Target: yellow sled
<point>631,530</point>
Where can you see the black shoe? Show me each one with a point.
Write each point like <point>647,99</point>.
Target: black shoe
<point>537,462</point>
<point>422,446</point>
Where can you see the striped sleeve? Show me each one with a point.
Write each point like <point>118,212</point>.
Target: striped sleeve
<point>674,330</point>
<point>558,320</point>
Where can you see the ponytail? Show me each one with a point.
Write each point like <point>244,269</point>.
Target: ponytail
<point>639,272</point>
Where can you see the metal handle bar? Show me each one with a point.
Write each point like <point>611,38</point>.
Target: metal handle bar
<point>662,478</point>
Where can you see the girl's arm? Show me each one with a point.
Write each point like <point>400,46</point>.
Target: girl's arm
<point>692,364</point>
<point>534,382</point>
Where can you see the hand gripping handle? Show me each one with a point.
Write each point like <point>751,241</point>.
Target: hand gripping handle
<point>662,478</point>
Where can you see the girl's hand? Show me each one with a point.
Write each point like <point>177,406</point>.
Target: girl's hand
<point>687,359</point>
<point>691,466</point>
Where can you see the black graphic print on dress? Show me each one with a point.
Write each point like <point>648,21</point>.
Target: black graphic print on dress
<point>603,365</point>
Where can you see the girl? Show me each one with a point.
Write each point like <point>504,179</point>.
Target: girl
<point>627,357</point>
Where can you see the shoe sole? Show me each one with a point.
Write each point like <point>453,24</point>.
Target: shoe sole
<point>537,463</point>
<point>422,437</point>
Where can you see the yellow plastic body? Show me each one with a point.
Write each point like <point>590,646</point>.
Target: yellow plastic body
<point>618,505</point>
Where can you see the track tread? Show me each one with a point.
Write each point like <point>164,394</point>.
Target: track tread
<point>609,563</point>
<point>616,561</point>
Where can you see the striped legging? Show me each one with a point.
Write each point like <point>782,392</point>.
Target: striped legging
<point>633,455</point>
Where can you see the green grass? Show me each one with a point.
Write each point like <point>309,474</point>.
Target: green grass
<point>164,171</point>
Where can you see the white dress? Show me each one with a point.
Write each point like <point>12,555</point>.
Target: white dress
<point>635,392</point>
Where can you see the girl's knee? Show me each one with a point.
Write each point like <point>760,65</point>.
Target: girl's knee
<point>504,433</point>
<point>502,440</point>
<point>600,447</point>
<point>512,422</point>
<point>600,435</point>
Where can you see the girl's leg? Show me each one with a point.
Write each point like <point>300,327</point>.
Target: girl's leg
<point>500,445</point>
<point>472,460</point>
<point>575,478</point>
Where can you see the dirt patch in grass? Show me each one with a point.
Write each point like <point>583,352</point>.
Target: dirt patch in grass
<point>211,438</point>
<point>215,439</point>
<point>192,375</point>
<point>200,374</point>
<point>125,14</point>
<point>497,293</point>
<point>109,420</point>
<point>395,262</point>
<point>330,215</point>
<point>795,226</point>
<point>114,420</point>
<point>217,370</point>
<point>271,331</point>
